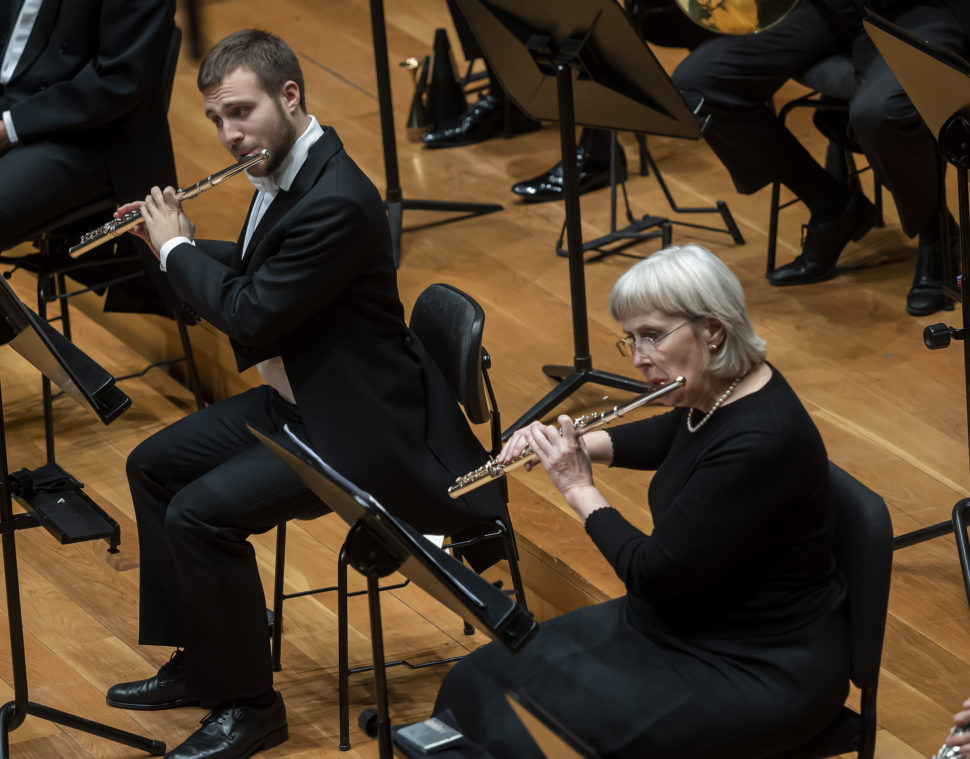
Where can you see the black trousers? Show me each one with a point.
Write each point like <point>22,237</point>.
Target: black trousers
<point>41,181</point>
<point>737,75</point>
<point>200,487</point>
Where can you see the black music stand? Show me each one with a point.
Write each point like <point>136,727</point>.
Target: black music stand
<point>937,81</point>
<point>577,62</point>
<point>648,226</point>
<point>394,200</point>
<point>90,385</point>
<point>379,544</point>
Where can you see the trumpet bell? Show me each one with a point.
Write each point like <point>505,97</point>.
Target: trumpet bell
<point>736,16</point>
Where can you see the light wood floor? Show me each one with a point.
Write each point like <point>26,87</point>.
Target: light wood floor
<point>891,412</point>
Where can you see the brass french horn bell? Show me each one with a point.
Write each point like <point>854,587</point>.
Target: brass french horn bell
<point>736,16</point>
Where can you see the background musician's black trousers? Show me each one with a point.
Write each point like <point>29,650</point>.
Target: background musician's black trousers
<point>200,487</point>
<point>45,180</point>
<point>737,75</point>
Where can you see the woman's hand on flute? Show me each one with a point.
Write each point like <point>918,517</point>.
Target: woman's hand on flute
<point>566,460</point>
<point>563,454</point>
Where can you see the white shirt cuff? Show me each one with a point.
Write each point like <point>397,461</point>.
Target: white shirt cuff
<point>11,132</point>
<point>167,248</point>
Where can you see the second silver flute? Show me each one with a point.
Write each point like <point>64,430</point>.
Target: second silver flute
<point>119,226</point>
<point>493,470</point>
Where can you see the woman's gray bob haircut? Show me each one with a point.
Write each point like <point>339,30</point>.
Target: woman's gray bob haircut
<point>691,281</point>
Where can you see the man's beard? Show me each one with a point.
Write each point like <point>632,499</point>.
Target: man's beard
<point>280,142</point>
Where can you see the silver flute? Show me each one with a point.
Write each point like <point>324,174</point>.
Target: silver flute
<point>493,470</point>
<point>119,226</point>
<point>950,752</point>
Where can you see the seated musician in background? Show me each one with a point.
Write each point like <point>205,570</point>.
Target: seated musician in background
<point>309,296</point>
<point>731,636</point>
<point>737,75</point>
<point>661,23</point>
<point>80,116</point>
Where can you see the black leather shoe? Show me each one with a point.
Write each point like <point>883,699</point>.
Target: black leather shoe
<point>824,242</point>
<point>165,690</point>
<point>235,732</point>
<point>926,295</point>
<point>593,174</point>
<point>482,121</point>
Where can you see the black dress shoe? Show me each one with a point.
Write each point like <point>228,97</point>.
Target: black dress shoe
<point>164,690</point>
<point>235,732</point>
<point>926,295</point>
<point>824,242</point>
<point>482,121</point>
<point>593,174</point>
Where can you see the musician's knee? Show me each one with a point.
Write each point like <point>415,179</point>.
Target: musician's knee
<point>875,122</point>
<point>147,462</point>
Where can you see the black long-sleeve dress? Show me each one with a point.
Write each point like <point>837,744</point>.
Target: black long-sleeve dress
<point>731,639</point>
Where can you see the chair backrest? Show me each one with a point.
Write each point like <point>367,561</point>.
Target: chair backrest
<point>449,323</point>
<point>864,554</point>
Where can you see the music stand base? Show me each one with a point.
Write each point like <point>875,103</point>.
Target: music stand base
<point>957,526</point>
<point>660,226</point>
<point>10,719</point>
<point>571,379</point>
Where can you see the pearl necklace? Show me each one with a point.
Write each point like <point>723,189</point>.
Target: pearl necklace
<point>717,404</point>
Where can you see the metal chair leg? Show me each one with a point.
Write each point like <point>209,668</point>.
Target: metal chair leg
<point>343,654</point>
<point>192,373</point>
<point>277,646</point>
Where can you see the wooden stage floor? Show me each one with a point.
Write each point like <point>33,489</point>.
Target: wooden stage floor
<point>891,412</point>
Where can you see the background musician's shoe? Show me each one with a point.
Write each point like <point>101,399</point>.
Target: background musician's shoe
<point>482,121</point>
<point>926,295</point>
<point>824,242</point>
<point>593,174</point>
<point>235,732</point>
<point>164,690</point>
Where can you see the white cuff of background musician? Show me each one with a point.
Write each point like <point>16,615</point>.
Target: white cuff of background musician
<point>167,248</point>
<point>11,132</point>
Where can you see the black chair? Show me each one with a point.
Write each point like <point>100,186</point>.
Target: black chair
<point>449,324</point>
<point>51,265</point>
<point>863,552</point>
<point>832,81</point>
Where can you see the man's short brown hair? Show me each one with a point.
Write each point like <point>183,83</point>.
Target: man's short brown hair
<point>272,61</point>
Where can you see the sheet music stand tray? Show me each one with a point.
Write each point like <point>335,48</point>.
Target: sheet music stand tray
<point>379,544</point>
<point>577,62</point>
<point>937,81</point>
<point>89,384</point>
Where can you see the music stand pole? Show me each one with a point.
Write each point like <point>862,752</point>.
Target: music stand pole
<point>394,200</point>
<point>582,371</point>
<point>13,713</point>
<point>938,336</point>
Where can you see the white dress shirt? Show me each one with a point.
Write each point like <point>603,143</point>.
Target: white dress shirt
<point>15,49</point>
<point>271,370</point>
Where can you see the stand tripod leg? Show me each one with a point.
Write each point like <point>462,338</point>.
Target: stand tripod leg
<point>960,512</point>
<point>571,381</point>
<point>153,748</point>
<point>958,526</point>
<point>13,713</point>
